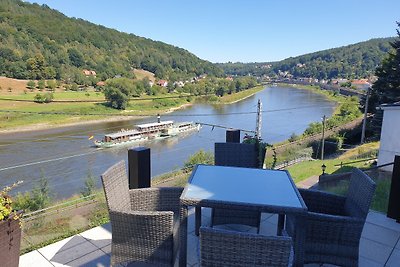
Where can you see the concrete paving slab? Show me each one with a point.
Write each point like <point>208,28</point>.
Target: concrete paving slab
<point>107,249</point>
<point>99,236</point>
<point>268,229</point>
<point>266,216</point>
<point>273,219</point>
<point>380,234</point>
<point>49,251</point>
<point>364,262</point>
<point>75,248</point>
<point>193,249</point>
<point>374,251</point>
<point>33,258</point>
<point>394,259</point>
<point>96,258</point>
<point>379,218</point>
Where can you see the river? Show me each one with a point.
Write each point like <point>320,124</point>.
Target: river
<point>65,156</point>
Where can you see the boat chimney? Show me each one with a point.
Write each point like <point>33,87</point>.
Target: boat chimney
<point>158,118</point>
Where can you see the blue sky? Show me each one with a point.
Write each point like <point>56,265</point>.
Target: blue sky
<point>242,30</point>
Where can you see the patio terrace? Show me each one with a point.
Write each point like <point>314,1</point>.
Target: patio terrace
<point>380,244</point>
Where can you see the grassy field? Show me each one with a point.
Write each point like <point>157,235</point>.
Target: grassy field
<point>136,107</point>
<point>141,74</point>
<point>355,157</point>
<point>306,169</point>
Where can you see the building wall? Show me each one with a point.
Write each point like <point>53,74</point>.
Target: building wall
<point>390,136</point>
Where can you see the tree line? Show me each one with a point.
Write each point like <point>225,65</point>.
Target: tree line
<point>37,42</point>
<point>353,61</point>
<point>119,91</point>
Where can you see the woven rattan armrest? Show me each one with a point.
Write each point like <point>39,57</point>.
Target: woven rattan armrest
<point>323,202</point>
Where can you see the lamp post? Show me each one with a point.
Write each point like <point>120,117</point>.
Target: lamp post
<point>323,167</point>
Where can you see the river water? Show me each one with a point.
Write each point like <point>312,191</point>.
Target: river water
<point>65,156</point>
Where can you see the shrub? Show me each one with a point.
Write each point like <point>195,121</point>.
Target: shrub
<point>31,84</point>
<point>41,84</point>
<point>90,184</point>
<point>200,157</point>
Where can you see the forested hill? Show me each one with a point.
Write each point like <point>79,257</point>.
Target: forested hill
<point>37,42</point>
<point>353,61</point>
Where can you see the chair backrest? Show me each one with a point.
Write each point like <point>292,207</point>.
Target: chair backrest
<point>116,188</point>
<point>235,155</point>
<point>229,248</point>
<point>360,193</point>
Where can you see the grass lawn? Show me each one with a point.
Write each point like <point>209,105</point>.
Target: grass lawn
<point>227,99</point>
<point>306,169</point>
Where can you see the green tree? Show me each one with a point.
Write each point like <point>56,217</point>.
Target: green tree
<point>387,88</point>
<point>31,84</point>
<point>41,84</point>
<point>118,91</point>
<point>38,98</point>
<point>90,184</point>
<point>45,98</point>
<point>116,98</point>
<point>75,57</point>
<point>38,198</point>
<point>41,194</point>
<point>51,84</point>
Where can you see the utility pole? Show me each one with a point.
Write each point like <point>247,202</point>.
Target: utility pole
<point>365,118</point>
<point>323,137</point>
<point>258,122</point>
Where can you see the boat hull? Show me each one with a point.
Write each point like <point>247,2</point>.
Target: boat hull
<point>172,132</point>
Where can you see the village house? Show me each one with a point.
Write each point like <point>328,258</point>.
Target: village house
<point>89,72</point>
<point>179,83</point>
<point>361,84</point>
<point>162,83</point>
<point>101,83</point>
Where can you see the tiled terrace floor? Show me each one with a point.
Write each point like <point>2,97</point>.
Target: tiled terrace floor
<point>380,244</point>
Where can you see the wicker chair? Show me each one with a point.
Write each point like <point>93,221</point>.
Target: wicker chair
<point>334,223</point>
<point>145,222</point>
<point>236,155</point>
<point>229,248</point>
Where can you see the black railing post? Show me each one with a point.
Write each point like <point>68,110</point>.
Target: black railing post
<point>139,167</point>
<point>233,136</point>
<point>394,197</point>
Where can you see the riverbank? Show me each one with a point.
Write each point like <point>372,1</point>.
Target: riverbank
<point>58,120</point>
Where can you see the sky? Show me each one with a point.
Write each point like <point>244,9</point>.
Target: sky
<point>242,30</point>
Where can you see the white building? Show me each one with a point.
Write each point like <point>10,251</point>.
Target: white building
<point>390,135</point>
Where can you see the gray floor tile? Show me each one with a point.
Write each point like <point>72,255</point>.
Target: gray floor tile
<point>265,216</point>
<point>268,229</point>
<point>363,262</point>
<point>374,251</point>
<point>74,249</point>
<point>96,259</point>
<point>394,259</point>
<point>33,258</point>
<point>99,236</point>
<point>107,249</point>
<point>379,218</point>
<point>273,219</point>
<point>193,250</point>
<point>380,234</point>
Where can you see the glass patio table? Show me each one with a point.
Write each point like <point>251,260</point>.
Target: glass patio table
<point>262,190</point>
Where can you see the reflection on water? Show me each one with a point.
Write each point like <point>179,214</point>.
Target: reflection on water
<point>65,156</point>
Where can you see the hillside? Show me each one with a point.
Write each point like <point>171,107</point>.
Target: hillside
<point>353,61</point>
<point>37,42</point>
